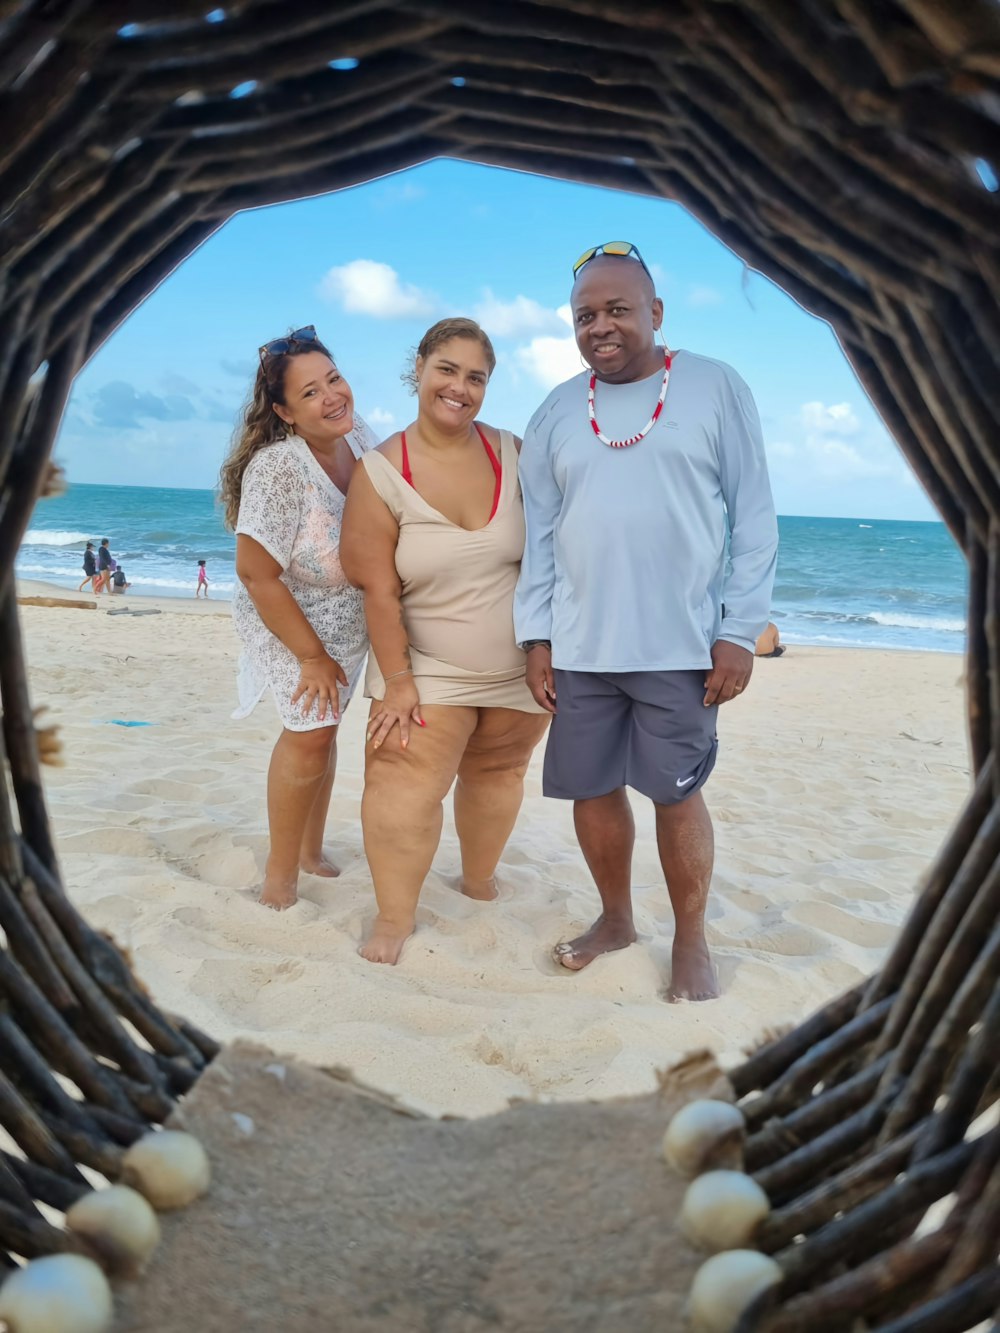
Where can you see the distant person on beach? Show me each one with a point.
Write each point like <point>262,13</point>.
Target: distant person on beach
<point>119,583</point>
<point>89,568</point>
<point>433,534</point>
<point>202,584</point>
<point>105,566</point>
<point>632,472</point>
<point>769,644</point>
<point>301,623</point>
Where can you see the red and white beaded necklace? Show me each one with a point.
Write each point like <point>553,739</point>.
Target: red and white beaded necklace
<point>632,439</point>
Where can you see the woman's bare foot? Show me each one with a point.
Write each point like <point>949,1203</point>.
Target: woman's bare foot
<point>483,890</point>
<point>385,943</point>
<point>692,974</point>
<point>279,892</point>
<point>604,936</point>
<point>319,863</point>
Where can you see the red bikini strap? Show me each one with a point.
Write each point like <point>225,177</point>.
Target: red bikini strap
<point>494,463</point>
<point>497,471</point>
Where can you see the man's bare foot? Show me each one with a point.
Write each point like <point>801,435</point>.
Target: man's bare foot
<point>603,937</point>
<point>320,863</point>
<point>385,943</point>
<point>279,893</point>
<point>483,890</point>
<point>692,974</point>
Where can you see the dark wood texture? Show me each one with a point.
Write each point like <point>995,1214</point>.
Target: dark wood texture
<point>839,147</point>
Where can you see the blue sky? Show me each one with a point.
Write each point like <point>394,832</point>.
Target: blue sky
<point>372,267</point>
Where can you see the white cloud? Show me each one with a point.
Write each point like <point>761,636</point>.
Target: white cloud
<point>838,419</point>
<point>379,417</point>
<point>834,459</point>
<point>823,452</point>
<point>550,360</point>
<point>517,318</point>
<point>699,297</point>
<point>367,287</point>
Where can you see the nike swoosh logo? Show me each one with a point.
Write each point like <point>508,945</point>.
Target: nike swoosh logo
<point>686,780</point>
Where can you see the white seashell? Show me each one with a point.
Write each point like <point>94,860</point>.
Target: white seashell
<point>705,1134</point>
<point>62,1293</point>
<point>119,1225</point>
<point>725,1285</point>
<point>169,1167</point>
<point>722,1210</point>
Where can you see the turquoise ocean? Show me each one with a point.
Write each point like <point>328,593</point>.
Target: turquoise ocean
<point>851,582</point>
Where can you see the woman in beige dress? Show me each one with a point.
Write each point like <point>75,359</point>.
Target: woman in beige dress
<point>433,534</point>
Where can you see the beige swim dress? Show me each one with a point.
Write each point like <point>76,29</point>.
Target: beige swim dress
<point>458,593</point>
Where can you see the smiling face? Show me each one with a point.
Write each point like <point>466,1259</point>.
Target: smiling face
<point>318,404</point>
<point>451,384</point>
<point>616,313</point>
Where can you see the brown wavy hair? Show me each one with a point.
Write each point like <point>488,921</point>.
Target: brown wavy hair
<point>259,425</point>
<point>442,332</point>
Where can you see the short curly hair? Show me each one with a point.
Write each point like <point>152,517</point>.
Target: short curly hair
<point>439,334</point>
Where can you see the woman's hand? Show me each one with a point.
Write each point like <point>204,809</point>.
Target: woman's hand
<point>400,705</point>
<point>319,677</point>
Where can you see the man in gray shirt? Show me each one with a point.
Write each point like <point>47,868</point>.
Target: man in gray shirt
<point>622,589</point>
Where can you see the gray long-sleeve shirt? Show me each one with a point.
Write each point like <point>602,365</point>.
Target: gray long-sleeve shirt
<point>625,561</point>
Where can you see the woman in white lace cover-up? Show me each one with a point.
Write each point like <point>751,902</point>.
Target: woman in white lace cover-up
<point>301,623</point>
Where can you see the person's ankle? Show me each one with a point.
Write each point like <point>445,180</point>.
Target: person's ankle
<point>395,924</point>
<point>618,917</point>
<point>690,937</point>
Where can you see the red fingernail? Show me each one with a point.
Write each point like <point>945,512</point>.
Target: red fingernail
<point>423,724</point>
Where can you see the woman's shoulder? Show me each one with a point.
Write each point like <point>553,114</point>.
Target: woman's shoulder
<point>391,450</point>
<point>282,456</point>
<point>495,435</point>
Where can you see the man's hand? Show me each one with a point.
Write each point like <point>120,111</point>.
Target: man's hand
<point>731,670</point>
<point>540,679</point>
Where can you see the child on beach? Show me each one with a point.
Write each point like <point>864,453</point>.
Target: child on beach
<point>202,580</point>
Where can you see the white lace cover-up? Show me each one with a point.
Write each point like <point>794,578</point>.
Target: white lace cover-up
<point>292,508</point>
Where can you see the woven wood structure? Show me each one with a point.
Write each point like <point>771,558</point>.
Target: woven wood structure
<point>833,145</point>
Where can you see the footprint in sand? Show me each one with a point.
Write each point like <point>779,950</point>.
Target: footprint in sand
<point>778,936</point>
<point>167,790</point>
<point>530,1058</point>
<point>129,803</point>
<point>748,901</point>
<point>860,930</point>
<point>858,890</point>
<point>871,851</point>
<point>110,840</point>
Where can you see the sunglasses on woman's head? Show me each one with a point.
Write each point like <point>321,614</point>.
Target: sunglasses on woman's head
<point>622,249</point>
<point>280,346</point>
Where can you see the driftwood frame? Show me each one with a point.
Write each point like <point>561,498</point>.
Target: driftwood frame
<point>832,144</point>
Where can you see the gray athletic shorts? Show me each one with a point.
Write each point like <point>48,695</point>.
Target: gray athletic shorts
<point>643,729</point>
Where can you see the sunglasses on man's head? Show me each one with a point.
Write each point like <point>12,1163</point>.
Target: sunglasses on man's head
<point>280,346</point>
<point>622,249</point>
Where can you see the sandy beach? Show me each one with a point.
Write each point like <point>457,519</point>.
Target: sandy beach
<point>839,773</point>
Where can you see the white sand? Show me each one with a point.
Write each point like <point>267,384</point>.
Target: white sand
<point>839,773</point>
